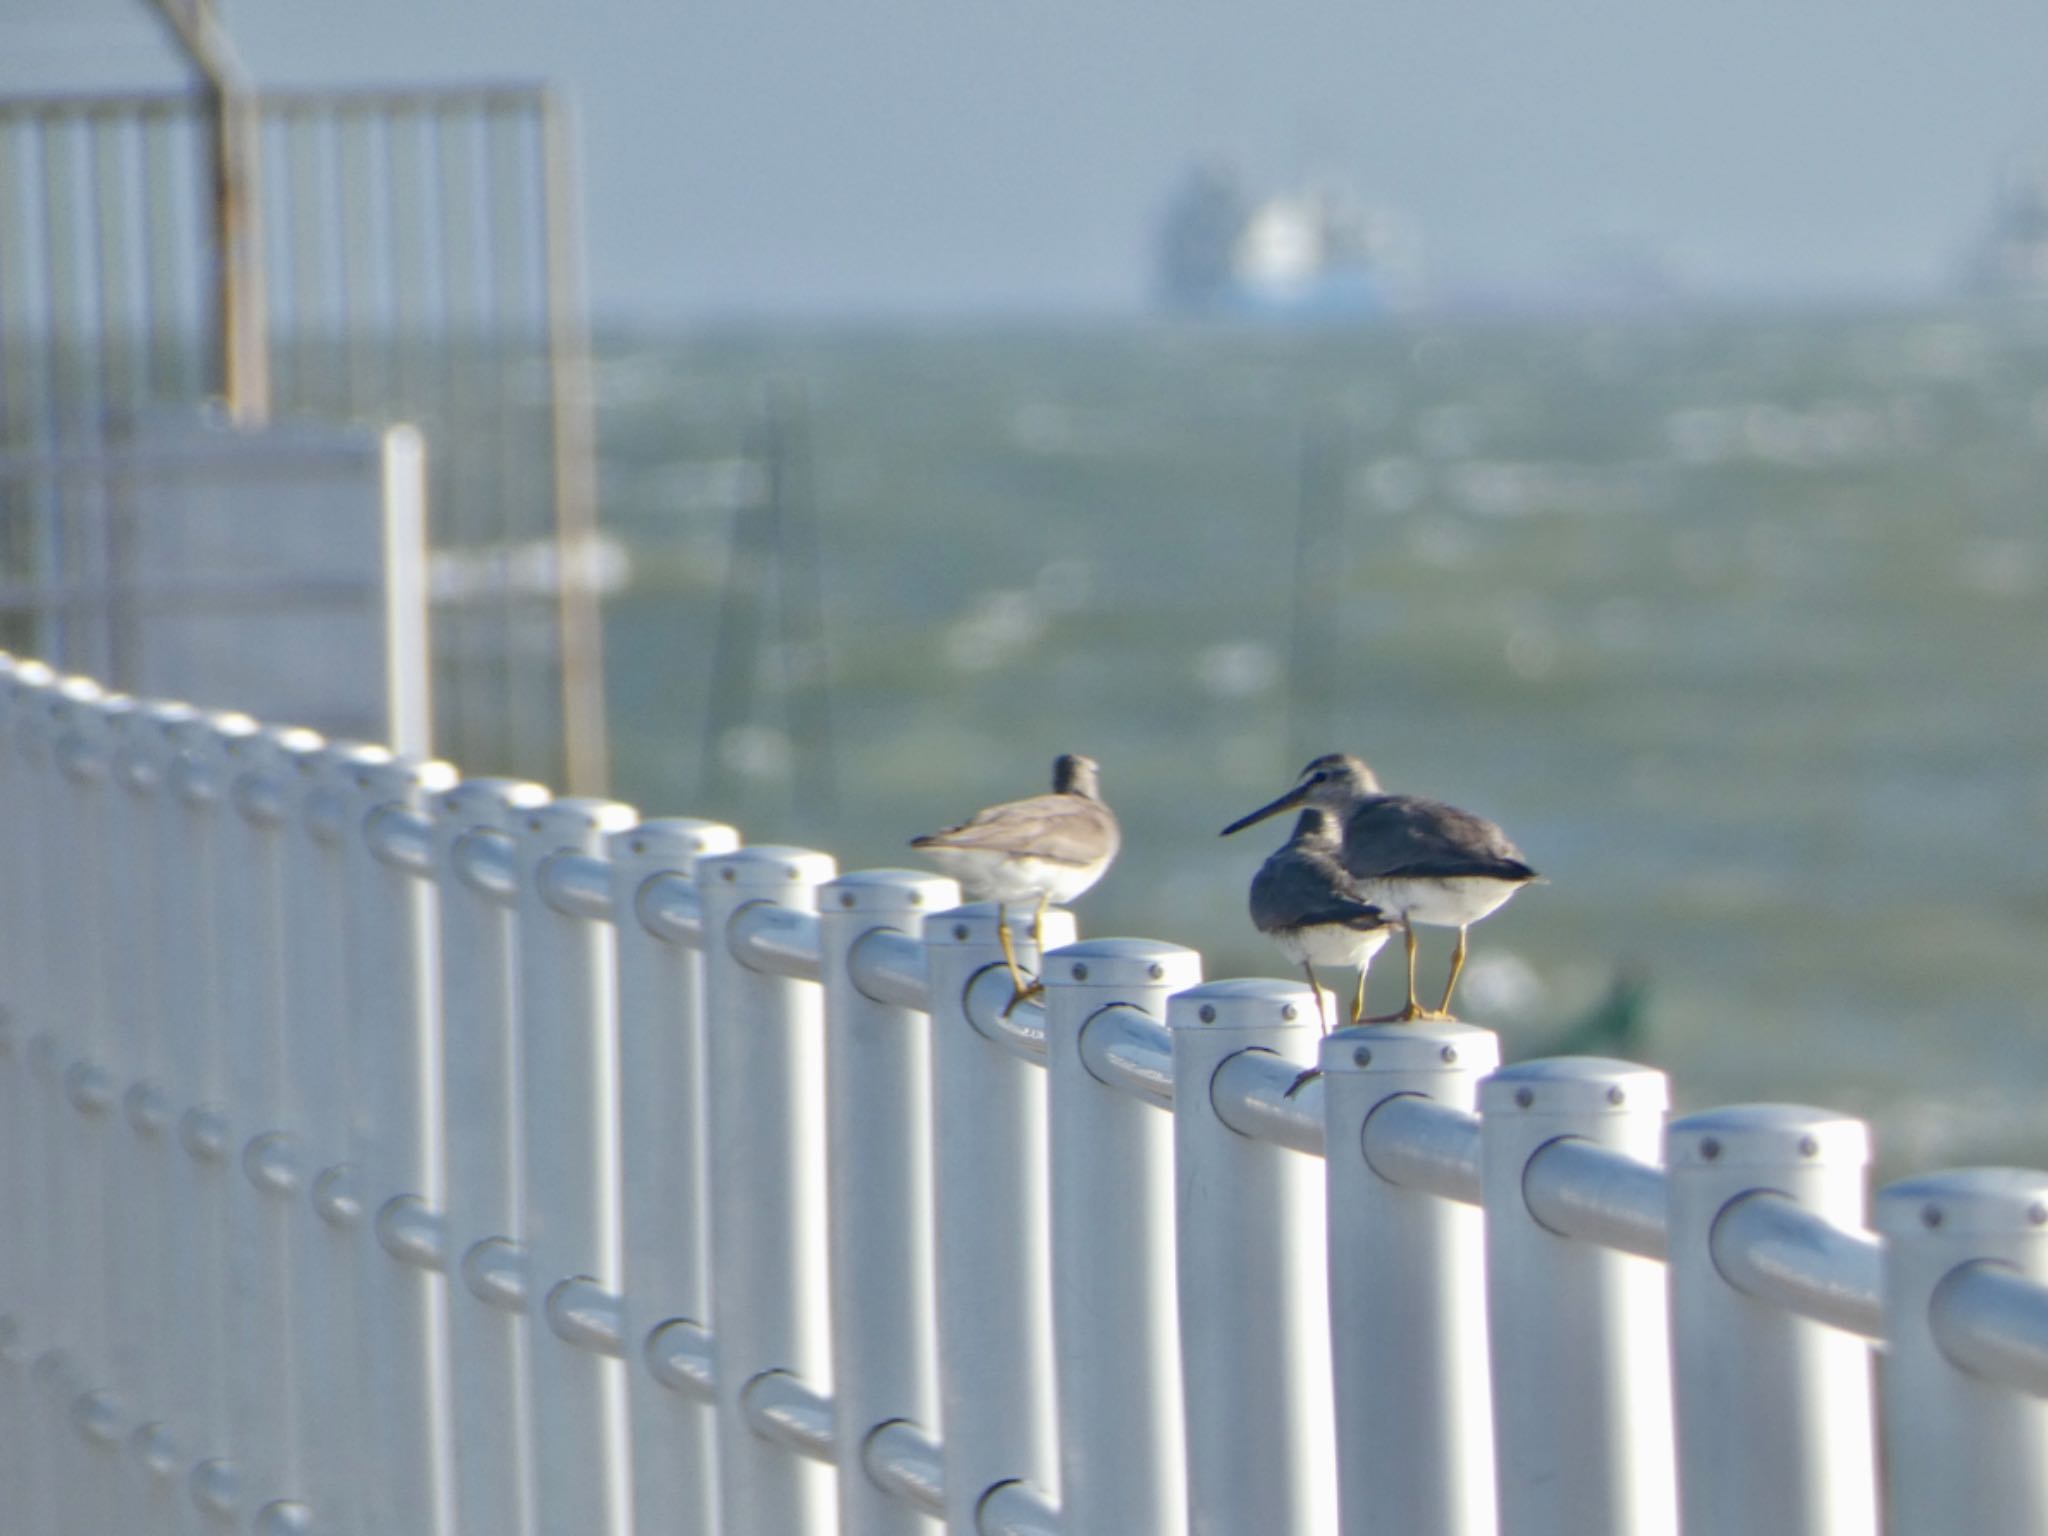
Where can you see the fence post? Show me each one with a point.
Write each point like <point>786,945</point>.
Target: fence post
<point>1774,1412</point>
<point>765,1082</point>
<point>1254,1316</point>
<point>394,1078</point>
<point>879,1162</point>
<point>661,1122</point>
<point>1115,1334</point>
<point>1962,1454</point>
<point>1577,1332</point>
<point>490,1389</point>
<point>992,1267</point>
<point>1407,1296</point>
<point>18,1206</point>
<point>569,1057</point>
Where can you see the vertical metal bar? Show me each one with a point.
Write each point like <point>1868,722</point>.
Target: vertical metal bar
<point>879,1162</point>
<point>316,340</point>
<point>569,1047</point>
<point>165,337</point>
<point>351,224</point>
<point>19,1209</point>
<point>765,1066</point>
<point>266,1373</point>
<point>335,1410</point>
<point>1775,1414</point>
<point>60,639</point>
<point>1407,1297</point>
<point>1960,1453</point>
<point>490,1386</point>
<point>198,1415</point>
<point>662,1133</point>
<point>75,883</point>
<point>586,745</point>
<point>993,1273</point>
<point>394,987</point>
<point>1115,1335</point>
<point>1572,1323</point>
<point>1254,1318</point>
<point>512,479</point>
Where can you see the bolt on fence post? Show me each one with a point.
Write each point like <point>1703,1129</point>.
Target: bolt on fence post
<point>1115,1322</point>
<point>568,1033</point>
<point>878,1109</point>
<point>1254,1315</point>
<point>1577,1332</point>
<point>1407,1280</point>
<point>666,1263</point>
<point>392,961</point>
<point>1961,1453</point>
<point>993,1274</point>
<point>765,1076</point>
<point>1774,1411</point>
<point>490,1385</point>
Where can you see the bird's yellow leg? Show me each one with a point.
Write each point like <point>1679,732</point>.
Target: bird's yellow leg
<point>1414,1009</point>
<point>1024,991</point>
<point>1457,969</point>
<point>1322,1017</point>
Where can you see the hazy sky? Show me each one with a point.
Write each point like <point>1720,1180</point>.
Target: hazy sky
<point>957,155</point>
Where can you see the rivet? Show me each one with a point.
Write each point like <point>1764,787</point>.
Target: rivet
<point>533,823</point>
<point>728,873</point>
<point>1449,1054</point>
<point>1525,1097</point>
<point>1710,1148</point>
<point>791,872</point>
<point>1080,971</point>
<point>1809,1147</point>
<point>1361,1057</point>
<point>2037,1213</point>
<point>917,898</point>
<point>1617,1095</point>
<point>638,845</point>
<point>1156,971</point>
<point>960,932</point>
<point>1289,1012</point>
<point>846,898</point>
<point>1930,1215</point>
<point>1207,1014</point>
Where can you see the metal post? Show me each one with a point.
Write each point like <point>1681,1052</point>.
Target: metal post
<point>992,1271</point>
<point>879,1162</point>
<point>765,1077</point>
<point>336,1410</point>
<point>17,1205</point>
<point>490,1406</point>
<point>88,1415</point>
<point>569,1054</point>
<point>661,1122</point>
<point>1254,1317</point>
<point>395,1121</point>
<point>1774,1412</point>
<point>1961,1453</point>
<point>1581,1381</point>
<point>264,1366</point>
<point>1407,1296</point>
<point>1115,1333</point>
<point>194,1447</point>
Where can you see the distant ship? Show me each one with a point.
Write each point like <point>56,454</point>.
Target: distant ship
<point>2011,260</point>
<point>1315,251</point>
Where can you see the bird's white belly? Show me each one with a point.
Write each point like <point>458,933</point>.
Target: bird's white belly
<point>1440,903</point>
<point>988,875</point>
<point>1330,944</point>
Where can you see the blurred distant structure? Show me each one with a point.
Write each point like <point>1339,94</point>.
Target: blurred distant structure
<point>343,258</point>
<point>1312,251</point>
<point>2011,260</point>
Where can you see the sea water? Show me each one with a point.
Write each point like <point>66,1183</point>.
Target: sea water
<point>1738,624</point>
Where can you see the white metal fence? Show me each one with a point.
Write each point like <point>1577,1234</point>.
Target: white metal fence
<point>384,1153</point>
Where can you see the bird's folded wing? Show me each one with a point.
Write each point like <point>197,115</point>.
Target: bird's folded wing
<point>1403,837</point>
<point>1063,828</point>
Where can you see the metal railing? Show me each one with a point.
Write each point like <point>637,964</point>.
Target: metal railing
<point>384,1152</point>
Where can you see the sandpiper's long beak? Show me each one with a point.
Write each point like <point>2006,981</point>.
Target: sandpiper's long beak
<point>1286,802</point>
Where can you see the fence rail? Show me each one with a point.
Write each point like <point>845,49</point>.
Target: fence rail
<point>386,1152</point>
